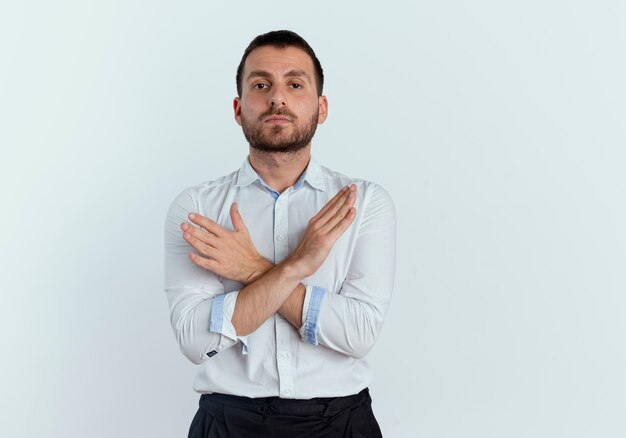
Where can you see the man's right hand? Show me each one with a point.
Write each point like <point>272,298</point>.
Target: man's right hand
<point>322,232</point>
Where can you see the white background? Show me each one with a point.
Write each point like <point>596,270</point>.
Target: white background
<point>497,127</point>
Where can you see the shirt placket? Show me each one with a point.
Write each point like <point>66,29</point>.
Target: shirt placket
<point>284,354</point>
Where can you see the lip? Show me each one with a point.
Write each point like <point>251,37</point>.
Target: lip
<point>278,120</point>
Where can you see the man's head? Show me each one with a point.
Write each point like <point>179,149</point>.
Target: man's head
<point>281,39</point>
<point>279,82</point>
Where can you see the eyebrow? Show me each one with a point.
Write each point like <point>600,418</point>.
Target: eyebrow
<point>291,73</point>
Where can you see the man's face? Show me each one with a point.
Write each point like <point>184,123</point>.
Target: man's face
<point>279,108</point>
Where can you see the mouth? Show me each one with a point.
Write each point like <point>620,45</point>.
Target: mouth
<point>278,120</point>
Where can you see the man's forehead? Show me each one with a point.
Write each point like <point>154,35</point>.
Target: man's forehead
<point>278,61</point>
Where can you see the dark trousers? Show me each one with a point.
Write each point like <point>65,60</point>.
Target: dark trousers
<point>229,416</point>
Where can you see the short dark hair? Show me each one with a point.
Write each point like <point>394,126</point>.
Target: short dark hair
<point>282,39</point>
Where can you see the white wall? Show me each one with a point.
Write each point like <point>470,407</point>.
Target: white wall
<point>497,127</point>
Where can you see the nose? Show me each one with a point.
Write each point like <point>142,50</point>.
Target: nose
<point>277,97</point>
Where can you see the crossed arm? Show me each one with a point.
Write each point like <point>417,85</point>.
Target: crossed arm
<point>350,311</point>
<point>269,288</point>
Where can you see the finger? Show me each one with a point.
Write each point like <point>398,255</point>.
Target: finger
<point>330,203</point>
<point>343,225</point>
<point>207,224</point>
<point>236,218</point>
<point>199,245</point>
<point>199,233</point>
<point>331,214</point>
<point>203,262</point>
<point>331,208</point>
<point>341,213</point>
<point>333,200</point>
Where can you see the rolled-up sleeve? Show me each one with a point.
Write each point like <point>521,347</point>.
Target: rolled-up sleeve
<point>350,320</point>
<point>221,318</point>
<point>313,298</point>
<point>200,311</point>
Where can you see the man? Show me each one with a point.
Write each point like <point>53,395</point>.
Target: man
<point>280,310</point>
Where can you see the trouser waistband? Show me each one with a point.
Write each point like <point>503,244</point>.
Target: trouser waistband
<point>324,406</point>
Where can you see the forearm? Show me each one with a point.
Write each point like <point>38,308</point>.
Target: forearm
<point>188,315</point>
<point>349,325</point>
<point>291,309</point>
<point>263,297</point>
<point>351,318</point>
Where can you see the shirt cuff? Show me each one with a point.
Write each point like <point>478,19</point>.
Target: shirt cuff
<point>313,298</point>
<point>221,318</point>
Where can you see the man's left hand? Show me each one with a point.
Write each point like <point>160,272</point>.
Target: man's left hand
<point>229,254</point>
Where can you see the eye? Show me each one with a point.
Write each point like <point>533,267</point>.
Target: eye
<point>260,86</point>
<point>296,85</point>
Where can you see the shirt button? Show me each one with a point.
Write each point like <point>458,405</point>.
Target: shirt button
<point>288,391</point>
<point>280,237</point>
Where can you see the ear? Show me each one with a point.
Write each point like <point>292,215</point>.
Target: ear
<point>323,109</point>
<point>237,109</point>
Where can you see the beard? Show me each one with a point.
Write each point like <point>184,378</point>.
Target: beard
<point>270,139</point>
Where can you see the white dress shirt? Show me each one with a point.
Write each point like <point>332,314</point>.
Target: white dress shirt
<point>345,302</point>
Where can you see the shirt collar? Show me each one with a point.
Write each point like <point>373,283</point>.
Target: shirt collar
<point>313,175</point>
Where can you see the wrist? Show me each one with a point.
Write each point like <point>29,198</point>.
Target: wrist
<point>261,267</point>
<point>293,269</point>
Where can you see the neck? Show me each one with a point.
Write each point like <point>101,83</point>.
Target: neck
<point>280,170</point>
